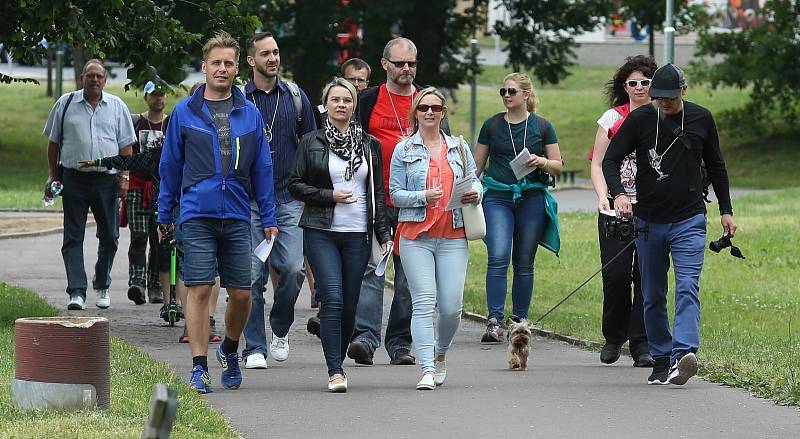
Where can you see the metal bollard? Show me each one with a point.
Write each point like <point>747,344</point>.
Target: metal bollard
<point>163,411</point>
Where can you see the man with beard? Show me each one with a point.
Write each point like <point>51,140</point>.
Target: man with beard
<point>88,124</point>
<point>383,112</point>
<point>276,101</point>
<point>216,158</point>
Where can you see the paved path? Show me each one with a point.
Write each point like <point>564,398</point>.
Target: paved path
<point>566,392</point>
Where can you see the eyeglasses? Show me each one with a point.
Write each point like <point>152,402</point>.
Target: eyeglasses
<point>435,108</point>
<point>356,81</point>
<point>633,83</point>
<point>401,64</point>
<point>511,91</point>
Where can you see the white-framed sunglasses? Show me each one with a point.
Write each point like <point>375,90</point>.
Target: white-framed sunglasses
<point>633,83</point>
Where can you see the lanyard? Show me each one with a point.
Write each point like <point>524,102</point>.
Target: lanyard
<point>397,118</point>
<point>268,128</point>
<point>524,136</point>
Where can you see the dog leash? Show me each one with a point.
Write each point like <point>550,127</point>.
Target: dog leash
<point>584,283</point>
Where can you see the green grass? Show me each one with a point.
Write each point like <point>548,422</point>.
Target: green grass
<point>574,106</point>
<point>750,308</point>
<point>133,375</point>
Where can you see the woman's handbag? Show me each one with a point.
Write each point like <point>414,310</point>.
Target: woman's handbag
<point>474,221</point>
<point>375,253</point>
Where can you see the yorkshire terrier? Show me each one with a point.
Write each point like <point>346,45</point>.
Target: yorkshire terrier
<point>519,343</point>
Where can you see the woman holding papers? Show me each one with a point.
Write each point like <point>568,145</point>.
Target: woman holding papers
<point>425,169</point>
<point>623,319</point>
<point>523,154</point>
<point>332,172</point>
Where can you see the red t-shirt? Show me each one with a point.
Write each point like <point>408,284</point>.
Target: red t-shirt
<point>148,135</point>
<point>389,123</point>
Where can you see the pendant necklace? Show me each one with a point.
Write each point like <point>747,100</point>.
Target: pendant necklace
<point>653,155</point>
<point>268,128</point>
<point>403,132</point>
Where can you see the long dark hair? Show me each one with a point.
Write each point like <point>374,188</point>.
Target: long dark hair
<point>615,87</point>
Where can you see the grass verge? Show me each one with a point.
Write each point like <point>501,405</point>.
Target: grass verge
<point>133,375</point>
<point>750,308</point>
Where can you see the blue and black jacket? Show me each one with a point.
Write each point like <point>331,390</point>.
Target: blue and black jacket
<point>191,164</point>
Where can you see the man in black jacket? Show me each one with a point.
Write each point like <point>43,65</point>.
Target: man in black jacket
<point>670,139</point>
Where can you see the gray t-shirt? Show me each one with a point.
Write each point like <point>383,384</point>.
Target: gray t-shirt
<point>221,112</point>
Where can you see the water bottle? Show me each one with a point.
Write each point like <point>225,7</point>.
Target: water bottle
<point>55,189</point>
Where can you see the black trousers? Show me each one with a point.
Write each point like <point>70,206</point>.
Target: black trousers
<point>623,312</point>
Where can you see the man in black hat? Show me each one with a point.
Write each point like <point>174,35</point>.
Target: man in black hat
<point>671,138</point>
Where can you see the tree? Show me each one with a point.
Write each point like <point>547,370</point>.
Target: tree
<point>762,59</point>
<point>143,35</point>
<point>541,33</point>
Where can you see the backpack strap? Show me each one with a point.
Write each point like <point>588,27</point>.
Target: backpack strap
<point>542,123</point>
<point>693,170</point>
<point>298,103</point>
<point>495,121</point>
<point>135,119</point>
<point>61,130</point>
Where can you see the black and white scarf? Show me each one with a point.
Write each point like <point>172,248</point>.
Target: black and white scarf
<point>349,146</point>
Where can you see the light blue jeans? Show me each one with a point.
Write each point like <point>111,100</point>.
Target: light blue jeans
<point>435,269</point>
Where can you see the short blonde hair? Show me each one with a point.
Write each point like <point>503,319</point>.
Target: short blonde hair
<point>412,116</point>
<point>525,84</point>
<point>221,40</point>
<point>339,82</point>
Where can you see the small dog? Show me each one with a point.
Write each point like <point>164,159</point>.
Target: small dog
<point>519,343</point>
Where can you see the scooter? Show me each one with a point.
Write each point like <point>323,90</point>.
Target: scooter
<point>171,311</point>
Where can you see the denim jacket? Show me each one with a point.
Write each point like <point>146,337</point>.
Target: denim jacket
<point>409,172</point>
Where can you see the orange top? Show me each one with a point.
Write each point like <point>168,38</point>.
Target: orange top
<point>438,221</point>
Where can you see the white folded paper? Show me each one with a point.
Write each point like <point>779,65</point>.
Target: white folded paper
<point>519,166</point>
<point>461,187</point>
<point>263,250</point>
<point>381,267</point>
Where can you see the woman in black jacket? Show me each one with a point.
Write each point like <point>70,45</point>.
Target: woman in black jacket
<point>332,172</point>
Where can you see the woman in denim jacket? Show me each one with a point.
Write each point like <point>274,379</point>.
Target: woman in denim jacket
<point>433,246</point>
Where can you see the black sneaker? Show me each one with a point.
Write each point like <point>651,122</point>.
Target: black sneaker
<point>683,369</point>
<point>660,373</point>
<point>402,357</point>
<point>136,294</point>
<point>610,353</point>
<point>313,325</point>
<point>155,296</point>
<point>493,334</point>
<point>644,360</point>
<point>361,352</point>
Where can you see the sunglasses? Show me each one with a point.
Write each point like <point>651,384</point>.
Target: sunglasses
<point>425,107</point>
<point>401,64</point>
<point>511,91</point>
<point>633,83</point>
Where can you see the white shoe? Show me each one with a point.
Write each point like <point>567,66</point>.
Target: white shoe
<point>279,348</point>
<point>340,387</point>
<point>441,372</point>
<point>255,361</point>
<point>427,382</point>
<point>102,299</point>
<point>76,303</point>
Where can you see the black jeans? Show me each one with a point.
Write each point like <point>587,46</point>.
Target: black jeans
<point>623,318</point>
<point>98,191</point>
<point>339,260</point>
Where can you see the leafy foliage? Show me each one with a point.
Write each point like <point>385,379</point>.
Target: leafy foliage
<point>761,59</point>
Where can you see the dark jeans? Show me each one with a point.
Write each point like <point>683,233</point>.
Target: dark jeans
<point>370,308</point>
<point>339,259</point>
<point>98,191</point>
<point>623,318</point>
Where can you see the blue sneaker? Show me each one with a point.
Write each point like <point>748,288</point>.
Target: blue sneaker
<point>231,374</point>
<point>201,380</point>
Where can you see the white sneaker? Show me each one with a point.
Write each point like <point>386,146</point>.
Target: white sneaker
<point>441,372</point>
<point>279,348</point>
<point>102,299</point>
<point>427,382</point>
<point>76,303</point>
<point>338,387</point>
<point>255,361</point>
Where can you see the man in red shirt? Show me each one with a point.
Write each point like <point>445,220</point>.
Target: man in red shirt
<point>383,112</point>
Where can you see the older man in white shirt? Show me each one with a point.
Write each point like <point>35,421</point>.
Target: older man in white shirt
<point>88,124</point>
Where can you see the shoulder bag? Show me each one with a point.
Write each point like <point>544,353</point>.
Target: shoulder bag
<point>474,221</point>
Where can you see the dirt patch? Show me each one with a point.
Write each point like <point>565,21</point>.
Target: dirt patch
<point>12,226</point>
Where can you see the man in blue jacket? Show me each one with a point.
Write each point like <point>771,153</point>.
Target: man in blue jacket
<point>215,158</point>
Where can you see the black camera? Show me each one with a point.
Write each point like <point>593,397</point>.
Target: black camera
<point>725,242</point>
<point>621,228</point>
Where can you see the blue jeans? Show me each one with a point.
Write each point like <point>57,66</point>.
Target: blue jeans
<point>339,260</point>
<point>370,305</point>
<point>210,244</point>
<point>83,190</point>
<point>521,224</point>
<point>287,259</point>
<point>436,268</point>
<point>685,241</point>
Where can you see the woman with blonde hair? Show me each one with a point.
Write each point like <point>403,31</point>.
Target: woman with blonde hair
<point>335,169</point>
<point>433,246</point>
<point>520,212</point>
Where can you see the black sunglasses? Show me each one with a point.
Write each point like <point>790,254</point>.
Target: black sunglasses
<point>425,107</point>
<point>401,64</point>
<point>511,91</point>
<point>633,83</point>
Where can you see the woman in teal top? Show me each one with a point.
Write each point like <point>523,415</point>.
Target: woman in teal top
<point>520,213</point>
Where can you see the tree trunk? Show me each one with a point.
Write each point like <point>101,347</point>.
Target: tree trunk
<point>49,70</point>
<point>651,40</point>
<point>78,60</point>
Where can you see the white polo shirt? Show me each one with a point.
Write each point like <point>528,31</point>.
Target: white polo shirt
<point>90,133</point>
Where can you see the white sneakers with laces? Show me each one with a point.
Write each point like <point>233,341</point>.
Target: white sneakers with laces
<point>255,361</point>
<point>427,382</point>
<point>441,372</point>
<point>279,348</point>
<point>102,299</point>
<point>76,303</point>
